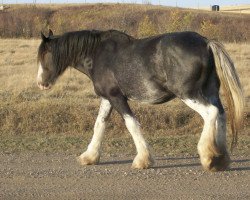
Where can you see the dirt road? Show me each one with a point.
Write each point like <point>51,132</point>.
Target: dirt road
<point>58,176</point>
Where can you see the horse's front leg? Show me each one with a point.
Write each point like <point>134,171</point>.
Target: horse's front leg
<point>143,158</point>
<point>92,155</point>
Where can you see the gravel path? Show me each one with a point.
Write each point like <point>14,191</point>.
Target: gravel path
<point>58,176</point>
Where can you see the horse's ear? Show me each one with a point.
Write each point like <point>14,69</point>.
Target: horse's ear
<point>43,37</point>
<point>46,41</point>
<point>50,33</point>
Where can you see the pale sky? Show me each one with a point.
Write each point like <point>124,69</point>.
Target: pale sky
<point>179,3</point>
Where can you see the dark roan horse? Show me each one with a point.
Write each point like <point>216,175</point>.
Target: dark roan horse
<point>153,70</point>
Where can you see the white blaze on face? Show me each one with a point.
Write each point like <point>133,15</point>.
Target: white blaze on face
<point>39,74</point>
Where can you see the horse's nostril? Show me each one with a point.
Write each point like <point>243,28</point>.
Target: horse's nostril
<point>45,86</point>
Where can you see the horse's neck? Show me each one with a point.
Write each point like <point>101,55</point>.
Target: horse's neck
<point>84,65</point>
<point>83,61</point>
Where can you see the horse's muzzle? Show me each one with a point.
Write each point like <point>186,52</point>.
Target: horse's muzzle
<point>44,87</point>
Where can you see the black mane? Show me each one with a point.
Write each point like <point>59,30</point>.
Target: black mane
<point>70,47</point>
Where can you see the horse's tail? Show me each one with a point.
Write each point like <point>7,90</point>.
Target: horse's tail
<point>231,85</point>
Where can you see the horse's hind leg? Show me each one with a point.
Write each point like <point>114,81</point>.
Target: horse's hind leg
<point>212,144</point>
<point>92,155</point>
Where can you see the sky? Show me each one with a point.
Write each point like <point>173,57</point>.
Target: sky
<point>179,3</point>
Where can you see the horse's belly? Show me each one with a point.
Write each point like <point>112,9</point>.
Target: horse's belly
<point>148,93</point>
<point>153,100</point>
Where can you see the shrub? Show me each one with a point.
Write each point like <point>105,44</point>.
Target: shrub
<point>209,29</point>
<point>146,28</point>
<point>179,21</point>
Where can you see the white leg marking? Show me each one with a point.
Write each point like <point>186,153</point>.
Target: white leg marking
<point>143,159</point>
<point>134,129</point>
<point>212,144</point>
<point>100,126</point>
<point>92,155</point>
<point>209,113</point>
<point>203,110</point>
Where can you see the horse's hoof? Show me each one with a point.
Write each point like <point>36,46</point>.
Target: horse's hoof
<point>88,159</point>
<point>216,163</point>
<point>143,162</point>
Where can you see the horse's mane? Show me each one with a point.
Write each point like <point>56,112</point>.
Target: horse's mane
<point>69,48</point>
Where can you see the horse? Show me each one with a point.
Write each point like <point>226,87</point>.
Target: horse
<point>154,70</point>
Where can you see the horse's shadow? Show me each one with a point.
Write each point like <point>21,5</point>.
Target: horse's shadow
<point>176,165</point>
<point>115,162</point>
<point>118,162</point>
<point>243,168</point>
<point>195,164</point>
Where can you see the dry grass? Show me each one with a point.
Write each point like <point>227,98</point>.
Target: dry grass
<point>28,20</point>
<point>243,9</point>
<point>240,53</point>
<point>237,9</point>
<point>59,118</point>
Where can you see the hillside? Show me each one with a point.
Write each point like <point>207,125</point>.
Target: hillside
<point>27,21</point>
<point>243,9</point>
<point>237,9</point>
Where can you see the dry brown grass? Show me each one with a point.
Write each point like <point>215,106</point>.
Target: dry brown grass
<point>240,53</point>
<point>243,9</point>
<point>28,20</point>
<point>70,108</point>
<point>237,9</point>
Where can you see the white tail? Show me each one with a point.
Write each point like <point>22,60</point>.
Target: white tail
<point>231,85</point>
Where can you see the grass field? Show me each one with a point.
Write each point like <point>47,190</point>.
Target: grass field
<point>244,9</point>
<point>27,20</point>
<point>238,9</point>
<point>62,119</point>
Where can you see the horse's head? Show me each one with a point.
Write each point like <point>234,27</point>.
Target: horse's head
<point>47,71</point>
